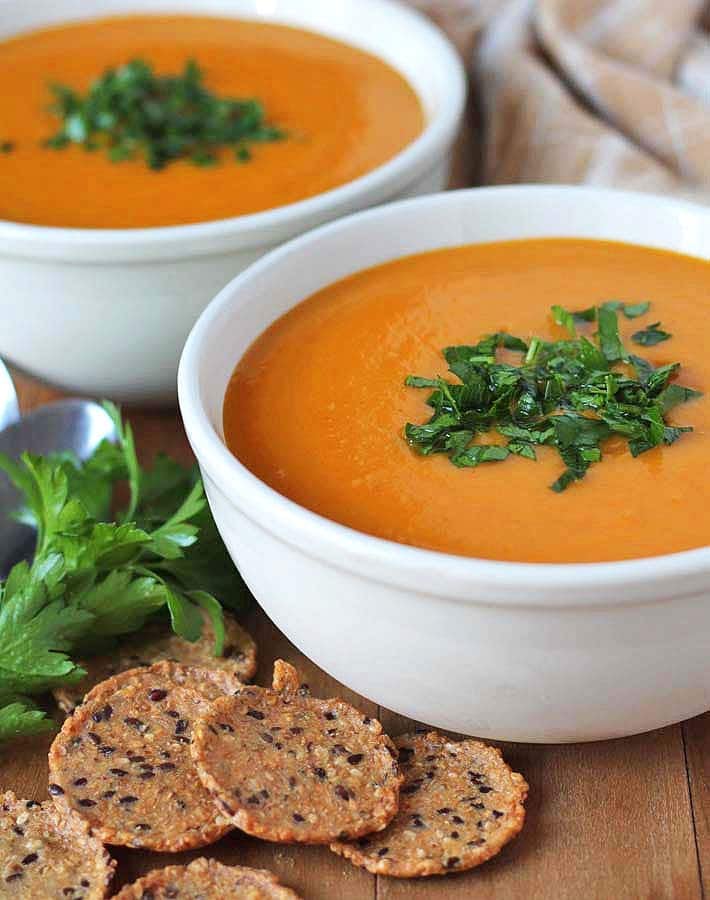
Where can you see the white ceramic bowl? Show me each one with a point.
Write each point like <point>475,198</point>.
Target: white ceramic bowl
<point>522,652</point>
<point>107,312</point>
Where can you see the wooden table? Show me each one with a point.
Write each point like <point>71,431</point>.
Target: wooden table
<point>622,819</point>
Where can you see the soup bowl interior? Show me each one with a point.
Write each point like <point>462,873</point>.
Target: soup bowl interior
<point>535,652</point>
<point>130,296</point>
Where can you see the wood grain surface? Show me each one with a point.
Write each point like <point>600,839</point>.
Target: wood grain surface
<point>609,821</point>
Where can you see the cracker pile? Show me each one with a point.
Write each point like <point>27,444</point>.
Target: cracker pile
<point>176,751</point>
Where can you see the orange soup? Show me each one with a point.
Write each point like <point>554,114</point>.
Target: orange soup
<point>316,407</point>
<point>344,112</point>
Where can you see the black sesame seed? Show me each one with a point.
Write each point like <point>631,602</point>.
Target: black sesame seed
<point>296,730</point>
<point>86,802</point>
<point>451,862</point>
<point>383,851</point>
<point>108,794</point>
<point>264,793</point>
<point>102,715</point>
<point>144,776</point>
<point>181,726</point>
<point>484,789</point>
<point>105,750</point>
<point>457,820</point>
<point>19,831</point>
<point>181,739</point>
<point>254,800</point>
<point>330,716</point>
<point>225,726</point>
<point>172,713</point>
<point>444,810</point>
<point>80,782</point>
<point>255,714</point>
<point>297,817</point>
<point>265,736</point>
<point>156,694</point>
<point>142,826</point>
<point>166,767</point>
<point>133,722</point>
<point>118,772</point>
<point>94,738</point>
<point>30,858</point>
<point>497,814</point>
<point>55,790</point>
<point>128,799</point>
<point>342,792</point>
<point>320,773</point>
<point>411,788</point>
<point>355,758</point>
<point>454,834</point>
<point>14,877</point>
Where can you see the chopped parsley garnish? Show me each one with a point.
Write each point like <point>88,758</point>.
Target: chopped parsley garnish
<point>131,112</point>
<point>572,394</point>
<point>650,336</point>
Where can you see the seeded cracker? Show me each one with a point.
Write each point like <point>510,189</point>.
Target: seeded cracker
<point>210,683</point>
<point>46,853</point>
<point>287,767</point>
<point>460,804</point>
<point>239,657</point>
<point>122,761</point>
<point>207,878</point>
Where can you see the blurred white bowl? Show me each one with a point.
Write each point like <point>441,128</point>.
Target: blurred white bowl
<point>106,312</point>
<point>515,651</point>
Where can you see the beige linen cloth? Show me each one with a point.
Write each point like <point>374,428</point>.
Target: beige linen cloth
<point>604,92</point>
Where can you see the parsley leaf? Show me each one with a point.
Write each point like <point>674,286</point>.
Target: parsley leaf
<point>650,336</point>
<point>93,581</point>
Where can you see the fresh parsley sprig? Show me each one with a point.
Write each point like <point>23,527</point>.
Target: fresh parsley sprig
<point>572,395</point>
<point>131,112</point>
<point>96,578</point>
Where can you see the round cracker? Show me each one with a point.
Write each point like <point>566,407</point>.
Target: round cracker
<point>47,852</point>
<point>459,805</point>
<point>207,878</point>
<point>155,644</point>
<point>287,767</point>
<point>210,683</point>
<point>122,761</point>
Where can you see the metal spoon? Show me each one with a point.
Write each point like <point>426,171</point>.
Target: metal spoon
<point>9,408</point>
<point>77,426</point>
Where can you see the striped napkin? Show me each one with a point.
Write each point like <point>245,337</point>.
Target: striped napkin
<point>602,92</point>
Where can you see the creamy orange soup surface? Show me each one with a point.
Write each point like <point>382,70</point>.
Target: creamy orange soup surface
<point>345,113</point>
<point>316,407</point>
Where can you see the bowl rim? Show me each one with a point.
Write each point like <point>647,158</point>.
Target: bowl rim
<point>247,230</point>
<point>611,583</point>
